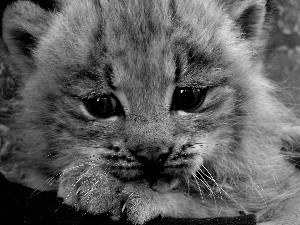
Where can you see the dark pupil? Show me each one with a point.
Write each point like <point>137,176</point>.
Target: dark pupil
<point>103,106</point>
<point>188,98</point>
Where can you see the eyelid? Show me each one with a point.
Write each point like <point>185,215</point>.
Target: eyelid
<point>91,95</point>
<point>85,112</point>
<point>211,84</point>
<point>93,118</point>
<point>193,85</point>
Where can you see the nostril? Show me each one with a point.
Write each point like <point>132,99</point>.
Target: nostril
<point>162,158</point>
<point>151,156</point>
<point>144,160</point>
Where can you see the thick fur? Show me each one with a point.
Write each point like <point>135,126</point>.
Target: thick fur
<point>232,154</point>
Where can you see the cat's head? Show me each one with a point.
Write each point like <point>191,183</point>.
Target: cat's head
<point>147,90</point>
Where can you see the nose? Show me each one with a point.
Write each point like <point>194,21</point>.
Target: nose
<point>151,156</point>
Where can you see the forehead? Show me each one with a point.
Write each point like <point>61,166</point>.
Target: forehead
<point>138,40</point>
<point>137,37</point>
<point>144,37</point>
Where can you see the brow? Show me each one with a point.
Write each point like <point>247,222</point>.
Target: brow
<point>195,59</point>
<point>96,79</point>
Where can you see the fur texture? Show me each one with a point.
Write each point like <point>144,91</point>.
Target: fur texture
<point>223,157</point>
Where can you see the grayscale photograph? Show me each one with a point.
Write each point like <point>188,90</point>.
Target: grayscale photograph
<point>150,112</point>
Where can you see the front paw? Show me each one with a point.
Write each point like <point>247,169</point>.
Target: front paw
<point>140,205</point>
<point>89,188</point>
<point>144,204</point>
<point>5,142</point>
<point>8,166</point>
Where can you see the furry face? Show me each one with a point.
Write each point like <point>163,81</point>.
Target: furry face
<point>149,108</point>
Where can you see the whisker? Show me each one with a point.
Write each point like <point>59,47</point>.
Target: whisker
<point>210,190</point>
<point>212,179</point>
<point>188,183</point>
<point>208,187</point>
<point>45,184</point>
<point>200,191</point>
<point>205,183</point>
<point>221,197</point>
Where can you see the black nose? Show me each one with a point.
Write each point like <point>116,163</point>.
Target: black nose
<point>149,156</point>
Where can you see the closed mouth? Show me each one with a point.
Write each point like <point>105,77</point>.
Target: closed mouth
<point>156,179</point>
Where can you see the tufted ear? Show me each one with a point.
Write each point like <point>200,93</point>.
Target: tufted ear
<point>252,17</point>
<point>291,145</point>
<point>24,23</point>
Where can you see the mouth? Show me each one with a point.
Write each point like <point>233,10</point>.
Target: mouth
<point>94,189</point>
<point>164,187</point>
<point>158,181</point>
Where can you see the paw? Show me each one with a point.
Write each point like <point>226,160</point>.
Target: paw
<point>8,168</point>
<point>140,205</point>
<point>139,212</point>
<point>89,188</point>
<point>5,142</point>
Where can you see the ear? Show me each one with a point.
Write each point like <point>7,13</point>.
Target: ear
<point>291,145</point>
<point>24,23</point>
<point>252,17</point>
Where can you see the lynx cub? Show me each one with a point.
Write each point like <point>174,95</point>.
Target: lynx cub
<point>150,108</point>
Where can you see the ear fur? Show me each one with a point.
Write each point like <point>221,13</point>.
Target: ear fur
<point>252,17</point>
<point>23,25</point>
<point>291,145</point>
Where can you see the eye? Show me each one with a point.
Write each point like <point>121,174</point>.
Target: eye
<point>103,106</point>
<point>188,98</point>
